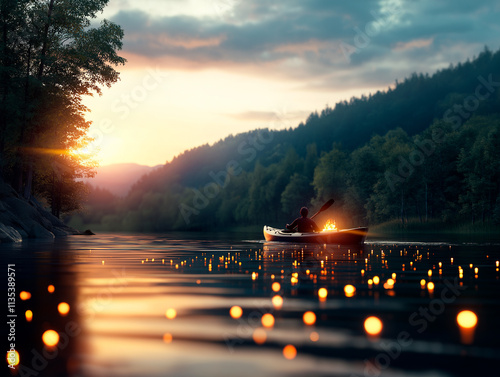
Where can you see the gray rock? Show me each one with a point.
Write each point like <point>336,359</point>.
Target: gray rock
<point>9,234</point>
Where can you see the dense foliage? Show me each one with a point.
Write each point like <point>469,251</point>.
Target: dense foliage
<point>50,57</point>
<point>427,148</point>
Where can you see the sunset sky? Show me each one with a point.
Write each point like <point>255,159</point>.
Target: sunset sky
<point>200,70</point>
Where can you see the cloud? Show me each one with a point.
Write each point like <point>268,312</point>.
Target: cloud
<point>313,41</point>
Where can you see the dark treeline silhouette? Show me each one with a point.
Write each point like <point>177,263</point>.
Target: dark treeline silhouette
<point>427,148</point>
<point>50,57</point>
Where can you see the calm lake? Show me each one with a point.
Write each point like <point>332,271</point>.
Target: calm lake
<point>199,304</point>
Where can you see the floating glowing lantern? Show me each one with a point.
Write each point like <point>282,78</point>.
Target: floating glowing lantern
<point>389,284</point>
<point>430,286</point>
<point>467,321</point>
<point>376,280</point>
<point>314,336</point>
<point>259,336</point>
<point>373,326</point>
<point>167,338</point>
<point>29,315</point>
<point>429,273</point>
<point>51,288</point>
<point>276,286</point>
<point>322,293</point>
<point>329,226</point>
<point>309,318</point>
<point>349,290</point>
<point>63,308</point>
<point>50,338</point>
<point>171,313</point>
<point>13,358</point>
<point>277,301</point>
<point>290,352</point>
<point>23,295</point>
<point>267,320</point>
<point>422,283</point>
<point>235,312</point>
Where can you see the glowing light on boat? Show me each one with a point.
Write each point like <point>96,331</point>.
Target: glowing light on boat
<point>467,319</point>
<point>309,318</point>
<point>349,290</point>
<point>289,352</point>
<point>373,326</point>
<point>63,308</point>
<point>24,295</point>
<point>50,338</point>
<point>329,226</point>
<point>171,313</point>
<point>13,358</point>
<point>267,320</point>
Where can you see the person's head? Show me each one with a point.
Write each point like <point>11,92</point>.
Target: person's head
<point>304,211</point>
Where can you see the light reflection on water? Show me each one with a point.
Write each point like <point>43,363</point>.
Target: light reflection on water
<point>121,288</point>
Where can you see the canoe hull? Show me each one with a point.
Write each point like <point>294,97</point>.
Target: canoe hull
<point>354,236</point>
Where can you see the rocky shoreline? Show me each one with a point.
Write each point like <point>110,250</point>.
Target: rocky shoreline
<point>21,219</point>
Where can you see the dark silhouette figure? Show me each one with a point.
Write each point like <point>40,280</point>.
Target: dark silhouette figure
<point>303,223</point>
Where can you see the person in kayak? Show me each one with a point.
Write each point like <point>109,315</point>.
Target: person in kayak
<point>303,223</point>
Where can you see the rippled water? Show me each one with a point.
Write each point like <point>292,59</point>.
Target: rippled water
<point>122,289</point>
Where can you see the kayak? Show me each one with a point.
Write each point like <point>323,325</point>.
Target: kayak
<point>353,236</point>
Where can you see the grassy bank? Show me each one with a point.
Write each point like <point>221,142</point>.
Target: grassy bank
<point>437,230</point>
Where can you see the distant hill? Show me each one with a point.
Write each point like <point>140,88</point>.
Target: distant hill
<point>119,178</point>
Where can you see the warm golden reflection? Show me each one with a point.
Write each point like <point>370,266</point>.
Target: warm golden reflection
<point>23,295</point>
<point>290,352</point>
<point>63,308</point>
<point>309,318</point>
<point>314,336</point>
<point>235,312</point>
<point>50,338</point>
<point>267,320</point>
<point>373,326</point>
<point>29,315</point>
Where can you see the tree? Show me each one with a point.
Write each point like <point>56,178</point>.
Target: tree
<point>51,58</point>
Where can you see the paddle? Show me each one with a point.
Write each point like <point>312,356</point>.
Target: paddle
<point>327,205</point>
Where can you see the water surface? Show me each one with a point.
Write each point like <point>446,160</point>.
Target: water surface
<point>159,305</point>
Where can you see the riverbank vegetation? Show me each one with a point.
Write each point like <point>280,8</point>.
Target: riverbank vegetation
<point>427,148</point>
